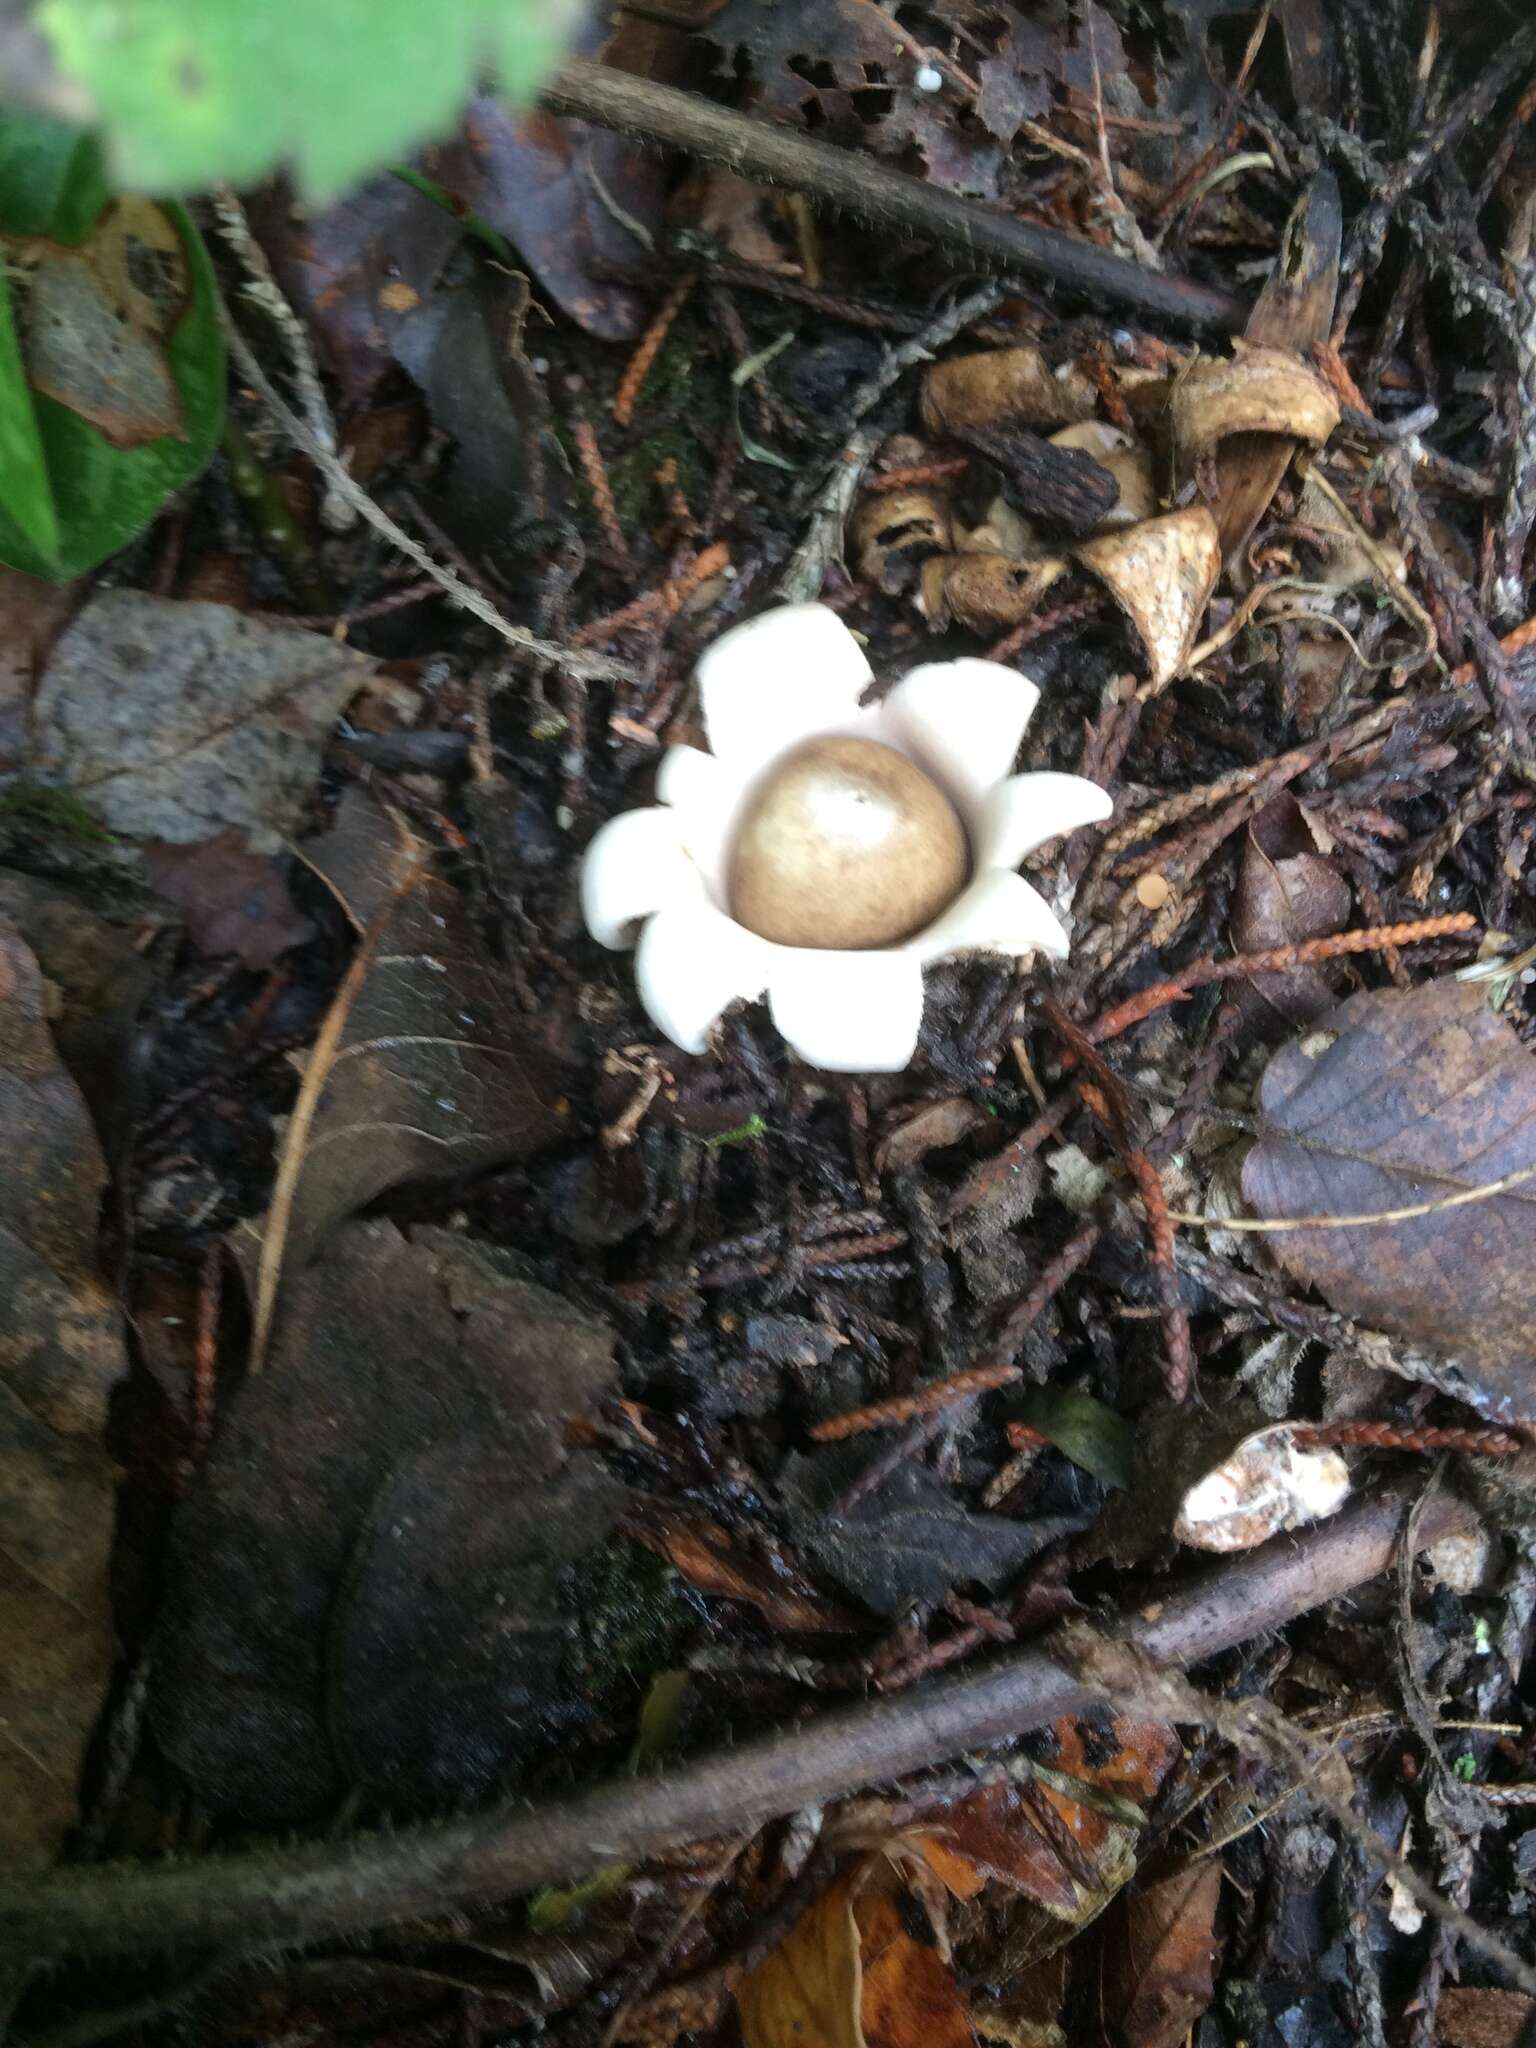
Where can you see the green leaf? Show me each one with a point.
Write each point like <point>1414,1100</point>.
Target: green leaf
<point>1083,1430</point>
<point>101,496</point>
<point>52,181</point>
<point>193,91</point>
<point>29,526</point>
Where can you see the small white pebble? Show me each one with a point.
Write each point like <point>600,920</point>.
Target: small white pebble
<point>1528,975</point>
<point>929,79</point>
<point>565,817</point>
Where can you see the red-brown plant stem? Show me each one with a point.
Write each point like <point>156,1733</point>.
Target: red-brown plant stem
<point>976,1379</point>
<point>652,606</point>
<point>590,456</point>
<point>916,476</point>
<point>1387,1436</point>
<point>1148,1001</point>
<point>638,368</point>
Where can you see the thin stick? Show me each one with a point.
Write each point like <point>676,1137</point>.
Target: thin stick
<point>1485,1192</point>
<point>317,1073</point>
<point>334,1889</point>
<point>971,234</point>
<point>585,667</point>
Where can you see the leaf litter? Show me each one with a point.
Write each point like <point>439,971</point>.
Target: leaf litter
<point>550,1317</point>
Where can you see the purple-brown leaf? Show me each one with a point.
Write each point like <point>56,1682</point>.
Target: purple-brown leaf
<point>1405,1097</point>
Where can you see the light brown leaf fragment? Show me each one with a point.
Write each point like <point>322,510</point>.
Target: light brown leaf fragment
<point>1397,1098</point>
<point>1161,574</point>
<point>61,1353</point>
<point>1265,1485</point>
<point>1013,385</point>
<point>808,1988</point>
<point>985,591</point>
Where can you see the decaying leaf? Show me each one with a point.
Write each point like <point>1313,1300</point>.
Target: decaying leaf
<point>933,1125</point>
<point>1005,386</point>
<point>61,1354</point>
<point>1288,892</point>
<point>179,721</point>
<point>364,1585</point>
<point>234,901</point>
<point>435,1071</point>
<point>95,320</point>
<point>1401,1097</point>
<point>703,1552</point>
<point>570,197</point>
<point>852,1974</point>
<point>1161,574</point>
<point>1237,424</point>
<point>907,1540</point>
<point>1159,1957</point>
<point>985,592</point>
<point>1267,1484</point>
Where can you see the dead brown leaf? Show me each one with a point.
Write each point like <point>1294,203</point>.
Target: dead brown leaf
<point>234,901</point>
<point>1159,1957</point>
<point>703,1552</point>
<point>932,1126</point>
<point>851,1974</point>
<point>1400,1096</point>
<point>1288,892</point>
<point>61,1354</point>
<point>425,1068</point>
<point>1060,1850</point>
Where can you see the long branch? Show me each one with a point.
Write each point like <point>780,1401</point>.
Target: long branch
<point>328,1889</point>
<point>976,236</point>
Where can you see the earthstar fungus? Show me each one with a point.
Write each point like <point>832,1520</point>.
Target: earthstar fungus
<point>823,852</point>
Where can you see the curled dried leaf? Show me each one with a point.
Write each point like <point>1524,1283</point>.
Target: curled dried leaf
<point>1256,391</point>
<point>1016,385</point>
<point>892,533</point>
<point>1161,574</point>
<point>985,591</point>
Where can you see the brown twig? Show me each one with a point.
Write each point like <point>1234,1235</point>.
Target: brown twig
<point>334,1889</point>
<point>975,234</point>
<point>959,1386</point>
